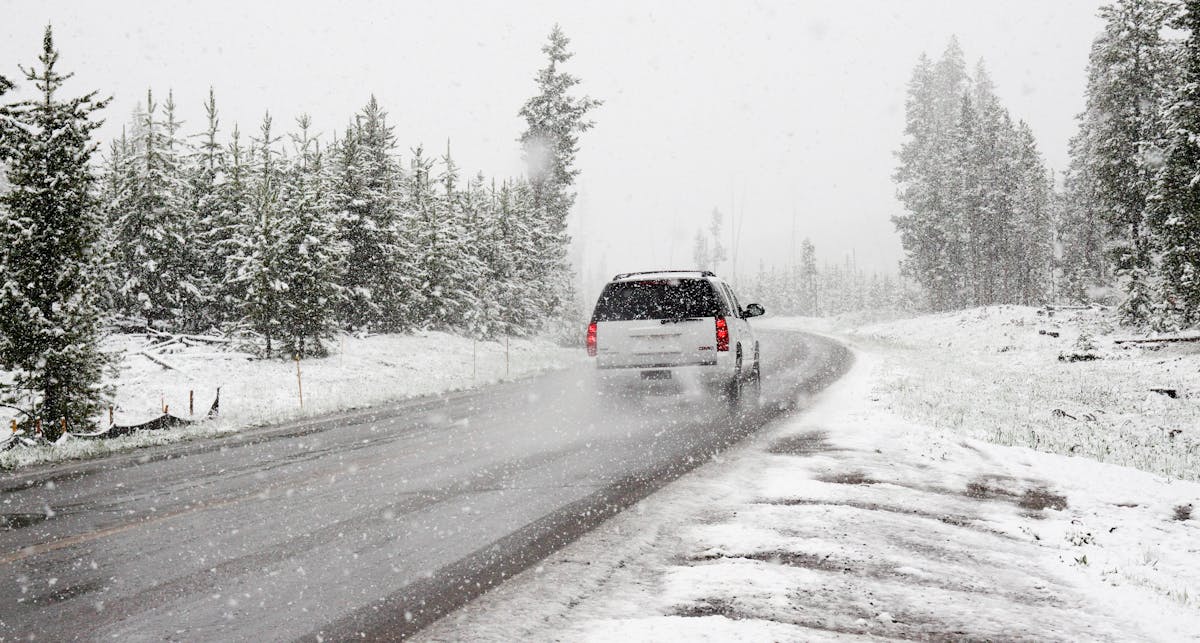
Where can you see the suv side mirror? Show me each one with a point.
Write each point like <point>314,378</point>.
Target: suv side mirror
<point>753,310</point>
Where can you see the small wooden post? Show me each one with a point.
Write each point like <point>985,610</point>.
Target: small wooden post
<point>299,381</point>
<point>110,415</point>
<point>191,402</point>
<point>14,426</point>
<point>166,409</point>
<point>64,425</point>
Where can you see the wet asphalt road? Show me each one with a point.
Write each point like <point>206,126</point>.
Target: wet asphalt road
<point>372,523</point>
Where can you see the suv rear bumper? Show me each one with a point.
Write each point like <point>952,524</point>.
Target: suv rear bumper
<point>694,375</point>
<point>625,367</point>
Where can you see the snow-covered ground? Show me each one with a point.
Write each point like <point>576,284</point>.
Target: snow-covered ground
<point>884,511</point>
<point>994,373</point>
<point>361,372</point>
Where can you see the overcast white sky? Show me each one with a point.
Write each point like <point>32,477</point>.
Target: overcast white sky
<point>784,110</point>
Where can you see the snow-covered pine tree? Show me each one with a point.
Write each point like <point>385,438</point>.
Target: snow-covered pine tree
<point>964,222</point>
<point>554,120</point>
<point>1128,72</point>
<point>309,260</point>
<point>154,258</point>
<point>436,242</point>
<point>214,221</point>
<point>1176,211</point>
<point>810,303</point>
<point>346,196</point>
<point>525,303</point>
<point>113,183</point>
<point>260,244</point>
<point>457,300</point>
<point>992,226</point>
<point>225,236</point>
<point>1080,232</point>
<point>365,194</point>
<point>1031,241</point>
<point>701,252</point>
<point>193,292</point>
<point>930,231</point>
<point>50,223</point>
<point>476,212</point>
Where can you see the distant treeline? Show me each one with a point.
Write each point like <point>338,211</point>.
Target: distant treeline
<point>803,288</point>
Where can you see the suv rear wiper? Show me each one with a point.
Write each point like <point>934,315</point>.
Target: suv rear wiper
<point>678,319</point>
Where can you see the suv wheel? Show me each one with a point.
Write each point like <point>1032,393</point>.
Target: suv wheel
<point>733,388</point>
<point>753,396</point>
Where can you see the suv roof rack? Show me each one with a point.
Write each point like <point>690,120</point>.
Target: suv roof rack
<point>703,273</point>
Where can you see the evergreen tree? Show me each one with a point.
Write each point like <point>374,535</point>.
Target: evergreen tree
<point>215,226</point>
<point>50,223</point>
<point>929,229</point>
<point>1176,211</point>
<point>310,257</point>
<point>523,299</point>
<point>365,195</point>
<point>225,236</point>
<point>701,253</point>
<point>113,183</point>
<point>457,301</point>
<point>554,120</point>
<point>477,210</point>
<point>433,267</point>
<point>258,259</point>
<point>1127,74</point>
<point>809,303</point>
<point>1032,249</point>
<point>154,258</point>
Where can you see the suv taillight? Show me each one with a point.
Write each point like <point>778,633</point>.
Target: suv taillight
<point>722,334</point>
<point>591,339</point>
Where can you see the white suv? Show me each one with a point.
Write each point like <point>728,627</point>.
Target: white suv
<point>675,325</point>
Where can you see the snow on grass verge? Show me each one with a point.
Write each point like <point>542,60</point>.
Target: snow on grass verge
<point>994,373</point>
<point>849,522</point>
<point>361,372</point>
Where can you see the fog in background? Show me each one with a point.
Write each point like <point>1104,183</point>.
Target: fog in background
<point>782,115</point>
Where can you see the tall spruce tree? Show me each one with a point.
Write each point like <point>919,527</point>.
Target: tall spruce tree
<point>1127,74</point>
<point>213,227</point>
<point>554,120</point>
<point>259,248</point>
<point>50,225</point>
<point>225,236</point>
<point>930,229</point>
<point>310,256</point>
<point>365,195</point>
<point>155,262</point>
<point>1031,238</point>
<point>1176,211</point>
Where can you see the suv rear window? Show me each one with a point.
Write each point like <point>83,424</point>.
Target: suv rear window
<point>657,299</point>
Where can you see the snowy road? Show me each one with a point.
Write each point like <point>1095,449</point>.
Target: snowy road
<point>373,522</point>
